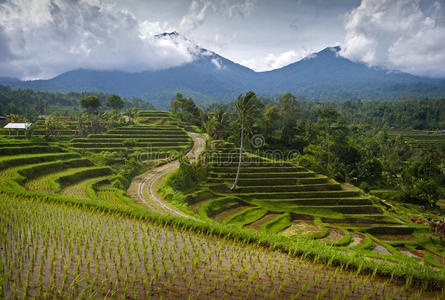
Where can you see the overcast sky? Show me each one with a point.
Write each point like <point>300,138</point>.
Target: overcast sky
<point>43,38</point>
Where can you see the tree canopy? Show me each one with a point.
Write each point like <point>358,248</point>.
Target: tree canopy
<point>90,102</point>
<point>115,102</point>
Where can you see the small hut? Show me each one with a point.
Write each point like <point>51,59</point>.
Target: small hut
<point>17,127</point>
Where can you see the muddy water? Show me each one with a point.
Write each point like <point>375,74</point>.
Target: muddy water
<point>67,252</point>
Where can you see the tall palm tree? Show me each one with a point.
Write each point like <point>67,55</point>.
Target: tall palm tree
<point>247,107</point>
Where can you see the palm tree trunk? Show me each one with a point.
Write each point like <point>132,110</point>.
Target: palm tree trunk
<point>240,157</point>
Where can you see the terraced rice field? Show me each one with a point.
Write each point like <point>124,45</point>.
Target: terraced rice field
<point>420,138</point>
<point>44,169</point>
<point>281,198</point>
<point>95,253</point>
<point>66,129</point>
<point>79,190</point>
<point>91,254</point>
<point>144,141</point>
<point>55,172</point>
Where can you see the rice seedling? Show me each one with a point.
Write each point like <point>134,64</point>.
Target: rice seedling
<point>100,254</point>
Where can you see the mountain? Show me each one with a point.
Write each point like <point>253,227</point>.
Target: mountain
<point>322,76</point>
<point>327,76</point>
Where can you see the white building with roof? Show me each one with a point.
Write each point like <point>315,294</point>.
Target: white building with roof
<point>17,127</point>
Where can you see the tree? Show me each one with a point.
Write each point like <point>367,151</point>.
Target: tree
<point>115,102</point>
<point>185,109</point>
<point>51,126</point>
<point>289,107</point>
<point>221,118</point>
<point>247,107</point>
<point>289,111</point>
<point>90,102</point>
<point>271,122</point>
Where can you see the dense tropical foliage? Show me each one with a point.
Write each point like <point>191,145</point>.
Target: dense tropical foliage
<point>360,143</point>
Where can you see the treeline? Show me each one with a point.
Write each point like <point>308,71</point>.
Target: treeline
<point>348,141</point>
<point>403,114</point>
<point>428,114</point>
<point>30,103</point>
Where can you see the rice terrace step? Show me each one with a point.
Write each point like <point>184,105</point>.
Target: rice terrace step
<point>284,198</point>
<point>277,199</point>
<point>136,164</point>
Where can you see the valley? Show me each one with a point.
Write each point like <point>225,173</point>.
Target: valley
<point>284,231</point>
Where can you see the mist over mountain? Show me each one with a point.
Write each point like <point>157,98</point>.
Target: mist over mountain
<point>322,76</point>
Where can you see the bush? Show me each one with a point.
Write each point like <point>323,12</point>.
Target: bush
<point>188,175</point>
<point>364,186</point>
<point>120,182</point>
<point>130,169</point>
<point>105,158</point>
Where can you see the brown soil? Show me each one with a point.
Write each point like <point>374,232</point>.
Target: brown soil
<point>354,224</point>
<point>301,227</point>
<point>380,249</point>
<point>410,253</point>
<point>348,187</point>
<point>227,213</point>
<point>257,224</point>
<point>396,237</point>
<point>333,236</point>
<point>356,240</point>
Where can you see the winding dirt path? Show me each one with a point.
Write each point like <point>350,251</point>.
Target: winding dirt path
<point>149,179</point>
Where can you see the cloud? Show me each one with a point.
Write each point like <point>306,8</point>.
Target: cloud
<point>196,15</point>
<point>283,59</point>
<point>199,10</point>
<point>239,8</point>
<point>272,61</point>
<point>217,62</point>
<point>295,25</point>
<point>221,40</point>
<point>42,38</point>
<point>398,35</point>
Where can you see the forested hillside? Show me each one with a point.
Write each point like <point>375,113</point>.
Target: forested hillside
<point>30,103</point>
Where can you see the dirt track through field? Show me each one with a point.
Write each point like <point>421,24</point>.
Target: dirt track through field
<point>146,191</point>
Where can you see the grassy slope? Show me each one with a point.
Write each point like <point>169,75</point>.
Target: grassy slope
<point>297,246</point>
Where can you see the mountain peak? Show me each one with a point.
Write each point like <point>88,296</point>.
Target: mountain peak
<point>172,34</point>
<point>330,50</point>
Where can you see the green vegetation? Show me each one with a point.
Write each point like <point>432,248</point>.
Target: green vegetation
<point>31,103</point>
<point>247,107</point>
<point>90,102</point>
<point>150,140</point>
<point>115,102</point>
<point>292,201</point>
<point>285,230</point>
<point>353,142</point>
<point>135,257</point>
<point>277,195</point>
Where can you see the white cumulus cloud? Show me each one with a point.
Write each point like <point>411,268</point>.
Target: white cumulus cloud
<point>42,38</point>
<point>405,35</point>
<point>273,61</point>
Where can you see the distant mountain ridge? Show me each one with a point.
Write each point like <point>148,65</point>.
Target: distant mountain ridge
<point>322,76</point>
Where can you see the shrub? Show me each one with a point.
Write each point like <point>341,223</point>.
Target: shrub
<point>188,175</point>
<point>364,186</point>
<point>130,169</point>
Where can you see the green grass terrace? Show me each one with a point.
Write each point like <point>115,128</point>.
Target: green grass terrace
<point>279,197</point>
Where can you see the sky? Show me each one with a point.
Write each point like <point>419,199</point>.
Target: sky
<point>40,39</point>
